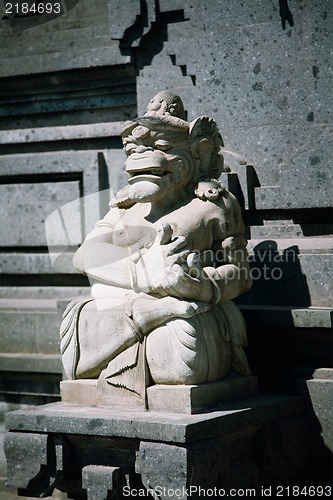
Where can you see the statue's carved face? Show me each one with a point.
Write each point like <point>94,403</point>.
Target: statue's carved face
<point>158,161</point>
<point>157,104</point>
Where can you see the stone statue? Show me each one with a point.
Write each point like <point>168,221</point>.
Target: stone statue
<point>165,262</point>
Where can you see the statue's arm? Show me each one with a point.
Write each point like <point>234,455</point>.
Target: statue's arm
<point>99,259</point>
<point>234,277</point>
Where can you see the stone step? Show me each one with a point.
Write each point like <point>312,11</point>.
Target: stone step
<point>57,61</point>
<point>61,133</point>
<point>29,331</point>
<point>276,231</point>
<point>309,245</point>
<point>68,101</point>
<point>52,36</point>
<point>286,316</point>
<point>291,271</point>
<point>34,363</point>
<point>59,47</point>
<point>38,292</point>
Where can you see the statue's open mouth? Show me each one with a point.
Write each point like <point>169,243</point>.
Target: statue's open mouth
<point>151,173</point>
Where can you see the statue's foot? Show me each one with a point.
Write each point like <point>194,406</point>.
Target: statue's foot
<point>148,313</point>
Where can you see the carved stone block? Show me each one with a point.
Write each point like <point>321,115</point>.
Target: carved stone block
<point>102,482</point>
<point>36,462</point>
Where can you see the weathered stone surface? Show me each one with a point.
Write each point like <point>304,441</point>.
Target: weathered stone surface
<point>68,215</point>
<point>65,133</point>
<point>41,263</point>
<point>30,330</point>
<point>34,293</point>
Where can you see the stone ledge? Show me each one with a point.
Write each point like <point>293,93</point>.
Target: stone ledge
<point>36,363</point>
<point>61,133</point>
<point>36,263</point>
<point>152,425</point>
<point>306,245</point>
<point>289,316</point>
<point>323,373</point>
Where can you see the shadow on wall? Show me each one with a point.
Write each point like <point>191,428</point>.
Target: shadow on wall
<point>146,37</point>
<point>277,277</point>
<point>285,14</point>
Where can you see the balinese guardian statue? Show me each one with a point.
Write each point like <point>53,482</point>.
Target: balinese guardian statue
<point>164,263</point>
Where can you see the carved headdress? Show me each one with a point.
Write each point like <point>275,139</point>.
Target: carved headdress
<point>165,112</point>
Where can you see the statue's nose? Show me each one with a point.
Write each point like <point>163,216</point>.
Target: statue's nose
<point>143,149</point>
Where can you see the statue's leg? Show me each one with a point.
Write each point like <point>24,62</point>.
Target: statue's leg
<point>189,351</point>
<point>107,327</point>
<point>150,313</point>
<point>104,331</point>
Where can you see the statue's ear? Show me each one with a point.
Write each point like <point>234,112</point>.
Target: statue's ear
<point>205,144</point>
<point>197,136</point>
<point>204,127</point>
<point>196,127</point>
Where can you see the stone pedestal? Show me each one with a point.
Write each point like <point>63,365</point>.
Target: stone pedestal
<point>101,453</point>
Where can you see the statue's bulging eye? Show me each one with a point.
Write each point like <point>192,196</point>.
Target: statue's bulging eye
<point>130,148</point>
<point>162,145</point>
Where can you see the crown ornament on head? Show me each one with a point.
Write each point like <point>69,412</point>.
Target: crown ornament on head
<point>166,103</point>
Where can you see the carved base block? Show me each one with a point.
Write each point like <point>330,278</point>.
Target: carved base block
<point>198,398</point>
<point>170,398</point>
<point>80,392</point>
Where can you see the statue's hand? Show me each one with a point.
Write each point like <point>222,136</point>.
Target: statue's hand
<point>154,267</point>
<point>182,279</point>
<point>190,281</point>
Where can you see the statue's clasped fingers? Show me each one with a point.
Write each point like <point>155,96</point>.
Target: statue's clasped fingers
<point>177,244</point>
